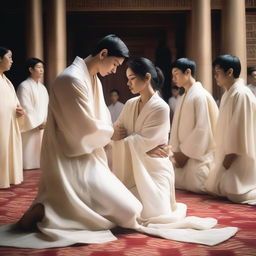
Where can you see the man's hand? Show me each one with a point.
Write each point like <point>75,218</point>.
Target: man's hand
<point>42,126</point>
<point>19,112</point>
<point>160,151</point>
<point>119,132</point>
<point>228,160</point>
<point>180,159</point>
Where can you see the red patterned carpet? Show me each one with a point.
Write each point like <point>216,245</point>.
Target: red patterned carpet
<point>14,201</point>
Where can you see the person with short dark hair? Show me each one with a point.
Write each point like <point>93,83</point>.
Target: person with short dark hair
<point>251,76</point>
<point>234,175</point>
<point>34,99</point>
<point>10,121</point>
<point>193,126</point>
<point>115,108</point>
<point>79,198</point>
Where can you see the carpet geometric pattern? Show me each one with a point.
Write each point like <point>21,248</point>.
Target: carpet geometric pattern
<point>15,200</point>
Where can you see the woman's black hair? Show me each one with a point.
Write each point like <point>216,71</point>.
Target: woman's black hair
<point>142,66</point>
<point>115,46</point>
<point>226,62</point>
<point>3,51</point>
<point>183,64</point>
<point>30,63</point>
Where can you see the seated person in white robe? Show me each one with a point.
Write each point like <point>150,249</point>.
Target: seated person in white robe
<point>79,198</point>
<point>116,107</point>
<point>234,175</point>
<point>10,120</point>
<point>193,126</point>
<point>34,100</point>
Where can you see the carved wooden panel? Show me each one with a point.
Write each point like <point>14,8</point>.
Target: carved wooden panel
<point>141,5</point>
<point>250,3</point>
<point>251,38</point>
<point>216,4</point>
<point>127,5</point>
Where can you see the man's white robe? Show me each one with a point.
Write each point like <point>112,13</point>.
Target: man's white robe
<point>192,134</point>
<point>82,198</point>
<point>34,100</point>
<point>115,110</point>
<point>236,134</point>
<point>10,139</point>
<point>252,88</point>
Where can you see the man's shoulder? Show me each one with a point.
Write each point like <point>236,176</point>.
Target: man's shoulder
<point>69,76</point>
<point>243,93</point>
<point>201,94</point>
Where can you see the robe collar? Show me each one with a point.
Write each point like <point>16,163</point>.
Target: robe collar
<point>31,80</point>
<point>4,78</point>
<point>227,94</point>
<point>193,87</point>
<point>145,107</point>
<point>237,84</point>
<point>80,64</point>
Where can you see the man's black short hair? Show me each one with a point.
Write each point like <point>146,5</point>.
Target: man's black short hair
<point>115,46</point>
<point>226,62</point>
<point>183,64</point>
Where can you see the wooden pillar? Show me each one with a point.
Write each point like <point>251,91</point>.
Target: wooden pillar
<point>34,29</point>
<point>199,41</point>
<point>55,39</point>
<point>234,31</point>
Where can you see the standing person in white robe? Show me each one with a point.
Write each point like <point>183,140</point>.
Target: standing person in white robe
<point>34,100</point>
<point>173,100</point>
<point>193,127</point>
<point>10,138</point>
<point>234,175</point>
<point>116,107</point>
<point>251,75</point>
<point>79,198</point>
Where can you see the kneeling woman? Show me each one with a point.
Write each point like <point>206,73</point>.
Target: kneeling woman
<point>142,126</point>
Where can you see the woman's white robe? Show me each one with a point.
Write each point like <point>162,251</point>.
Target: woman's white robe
<point>34,100</point>
<point>150,179</point>
<point>82,198</point>
<point>10,139</point>
<point>236,134</point>
<point>192,133</point>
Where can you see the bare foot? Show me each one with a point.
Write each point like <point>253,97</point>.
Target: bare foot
<point>30,218</point>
